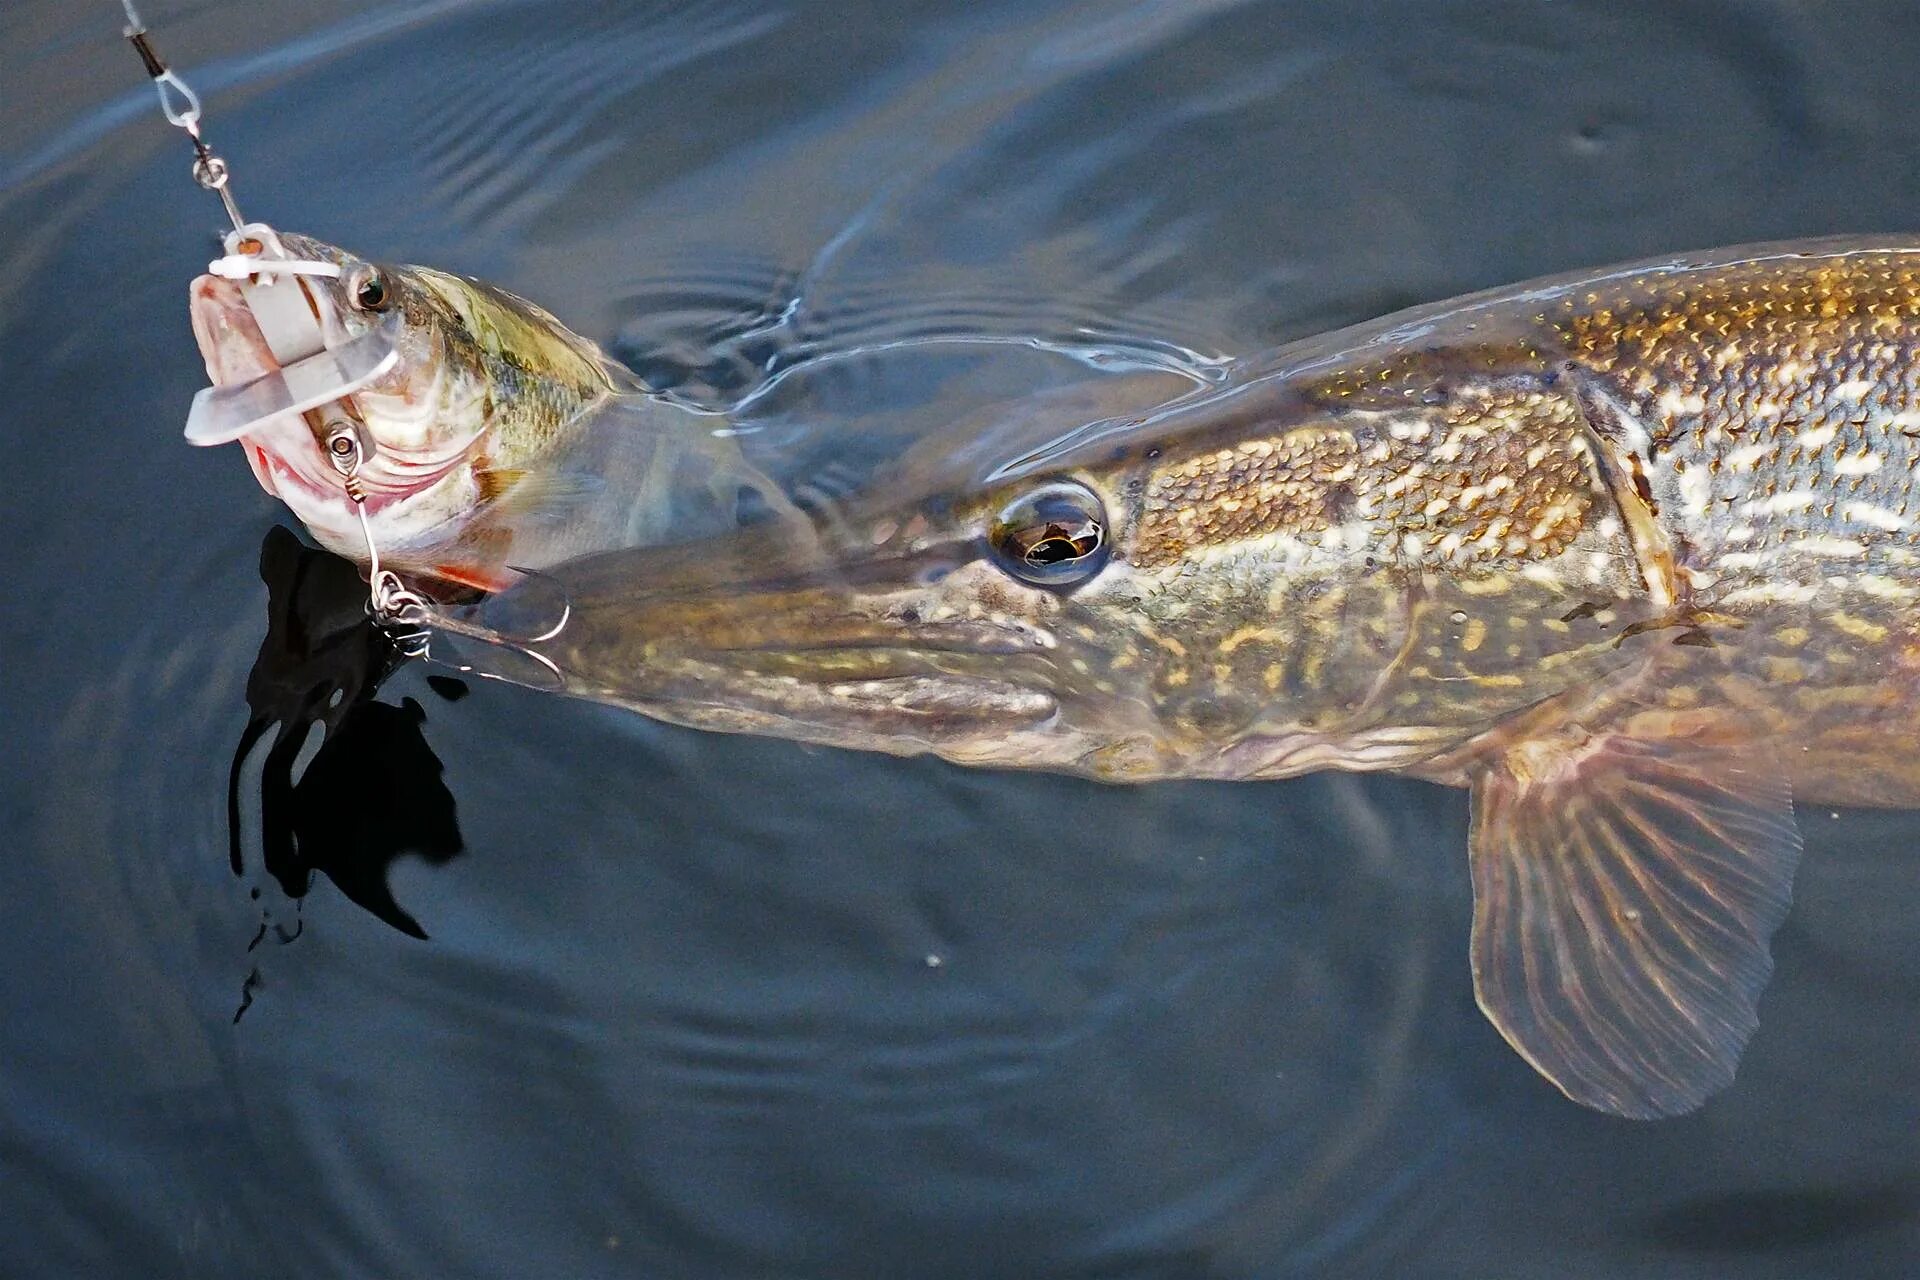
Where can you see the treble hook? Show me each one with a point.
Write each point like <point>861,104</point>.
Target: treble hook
<point>555,681</point>
<point>411,618</point>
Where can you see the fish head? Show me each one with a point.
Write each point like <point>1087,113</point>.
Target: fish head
<point>1048,619</point>
<point>982,628</point>
<point>483,382</point>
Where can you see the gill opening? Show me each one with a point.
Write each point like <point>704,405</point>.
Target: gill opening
<point>1621,449</point>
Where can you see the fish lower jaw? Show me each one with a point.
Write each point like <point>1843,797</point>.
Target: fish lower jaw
<point>898,714</point>
<point>397,520</point>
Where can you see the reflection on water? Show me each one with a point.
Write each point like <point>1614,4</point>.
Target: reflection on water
<point>706,1006</point>
<point>371,793</point>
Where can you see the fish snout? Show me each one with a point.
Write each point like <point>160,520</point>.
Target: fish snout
<point>814,656</point>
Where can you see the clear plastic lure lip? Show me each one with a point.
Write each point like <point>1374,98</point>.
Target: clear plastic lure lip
<point>224,414</point>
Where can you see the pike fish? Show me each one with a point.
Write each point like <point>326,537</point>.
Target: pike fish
<point>1632,555</point>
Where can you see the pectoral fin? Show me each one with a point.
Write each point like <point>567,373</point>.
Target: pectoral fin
<point>1624,894</point>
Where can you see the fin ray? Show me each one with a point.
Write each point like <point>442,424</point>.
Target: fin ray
<point>1625,892</point>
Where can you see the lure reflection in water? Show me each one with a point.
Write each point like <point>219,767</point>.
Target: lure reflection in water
<point>1632,555</point>
<point>372,793</point>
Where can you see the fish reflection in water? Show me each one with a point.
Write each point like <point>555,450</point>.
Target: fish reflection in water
<point>372,792</point>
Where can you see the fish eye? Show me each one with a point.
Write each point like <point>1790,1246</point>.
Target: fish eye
<point>1055,536</point>
<point>368,289</point>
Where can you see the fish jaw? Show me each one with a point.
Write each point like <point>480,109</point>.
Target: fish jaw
<point>873,655</point>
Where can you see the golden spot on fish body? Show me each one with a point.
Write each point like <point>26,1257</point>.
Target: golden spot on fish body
<point>1247,634</point>
<point>1785,670</point>
<point>1871,632</point>
<point>1474,636</point>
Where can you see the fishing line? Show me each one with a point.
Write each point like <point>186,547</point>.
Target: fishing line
<point>181,106</point>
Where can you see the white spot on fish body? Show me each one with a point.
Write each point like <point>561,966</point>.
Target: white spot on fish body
<point>1878,584</point>
<point>1772,593</point>
<point>1676,404</point>
<point>1696,490</point>
<point>1743,458</point>
<point>1868,513</point>
<point>1816,437</point>
<point>1781,503</point>
<point>1859,464</point>
<point>1854,389</point>
<point>1837,548</point>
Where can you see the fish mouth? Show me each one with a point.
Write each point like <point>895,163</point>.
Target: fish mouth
<point>921,686</point>
<point>822,696</point>
<point>937,680</point>
<point>856,657</point>
<point>284,453</point>
<point>236,352</point>
<point>230,340</point>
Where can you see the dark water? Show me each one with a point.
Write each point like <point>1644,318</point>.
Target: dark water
<point>703,1006</point>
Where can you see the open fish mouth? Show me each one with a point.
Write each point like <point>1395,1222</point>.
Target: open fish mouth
<point>285,456</point>
<point>236,352</point>
<point>229,337</point>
